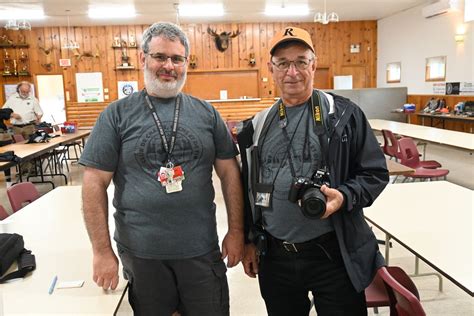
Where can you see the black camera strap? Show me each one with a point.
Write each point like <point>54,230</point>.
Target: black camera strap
<point>283,123</point>
<point>319,128</point>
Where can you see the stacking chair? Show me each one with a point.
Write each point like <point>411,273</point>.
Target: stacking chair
<point>390,146</point>
<point>392,287</point>
<point>18,138</point>
<point>411,158</point>
<point>23,192</point>
<point>3,213</point>
<point>231,126</point>
<point>391,149</point>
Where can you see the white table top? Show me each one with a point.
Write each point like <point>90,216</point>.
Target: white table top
<point>54,230</point>
<point>434,220</point>
<point>431,134</point>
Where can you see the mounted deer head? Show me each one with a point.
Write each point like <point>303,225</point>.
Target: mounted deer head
<point>46,51</point>
<point>222,40</point>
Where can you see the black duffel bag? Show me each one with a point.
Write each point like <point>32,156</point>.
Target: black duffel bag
<point>12,247</point>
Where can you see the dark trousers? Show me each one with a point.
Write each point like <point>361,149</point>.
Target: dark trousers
<point>286,278</point>
<point>195,286</point>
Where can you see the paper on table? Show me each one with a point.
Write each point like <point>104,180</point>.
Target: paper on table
<point>69,284</point>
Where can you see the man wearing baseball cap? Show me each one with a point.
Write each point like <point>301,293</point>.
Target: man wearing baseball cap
<point>311,163</point>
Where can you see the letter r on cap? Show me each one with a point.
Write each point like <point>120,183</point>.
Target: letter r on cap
<point>288,31</point>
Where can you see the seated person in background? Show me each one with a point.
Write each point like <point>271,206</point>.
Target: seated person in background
<point>26,110</point>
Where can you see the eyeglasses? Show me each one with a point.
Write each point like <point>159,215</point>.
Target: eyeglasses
<point>300,64</point>
<point>176,60</point>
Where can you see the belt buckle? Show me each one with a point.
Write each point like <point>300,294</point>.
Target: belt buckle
<point>290,247</point>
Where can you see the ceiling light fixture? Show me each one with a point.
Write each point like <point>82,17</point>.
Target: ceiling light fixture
<point>325,18</point>
<point>70,44</point>
<point>176,8</point>
<point>17,18</point>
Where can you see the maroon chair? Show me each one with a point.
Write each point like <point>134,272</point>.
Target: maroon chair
<point>380,292</point>
<point>23,192</point>
<point>410,158</point>
<point>391,149</point>
<point>390,146</point>
<point>402,300</point>
<point>3,213</point>
<point>232,126</point>
<point>18,138</point>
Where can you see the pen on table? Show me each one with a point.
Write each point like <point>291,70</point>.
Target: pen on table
<point>53,284</point>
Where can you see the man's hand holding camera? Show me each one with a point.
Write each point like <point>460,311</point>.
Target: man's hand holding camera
<point>334,200</point>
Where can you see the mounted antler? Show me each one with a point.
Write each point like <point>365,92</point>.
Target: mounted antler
<point>47,66</point>
<point>222,40</point>
<point>46,51</point>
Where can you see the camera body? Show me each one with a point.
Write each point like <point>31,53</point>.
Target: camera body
<point>259,239</point>
<point>308,190</point>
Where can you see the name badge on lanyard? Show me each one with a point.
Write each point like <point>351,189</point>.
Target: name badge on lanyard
<point>170,176</point>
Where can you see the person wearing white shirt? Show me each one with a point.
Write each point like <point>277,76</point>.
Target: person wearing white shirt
<point>26,110</point>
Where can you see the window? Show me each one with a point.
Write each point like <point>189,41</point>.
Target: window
<point>435,68</point>
<point>394,71</point>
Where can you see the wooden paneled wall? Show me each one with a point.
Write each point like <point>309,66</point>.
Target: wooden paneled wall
<point>332,43</point>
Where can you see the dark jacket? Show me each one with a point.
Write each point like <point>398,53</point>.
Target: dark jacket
<point>4,115</point>
<point>357,169</point>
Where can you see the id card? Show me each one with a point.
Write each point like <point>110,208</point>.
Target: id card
<point>171,177</point>
<point>174,186</point>
<point>263,196</point>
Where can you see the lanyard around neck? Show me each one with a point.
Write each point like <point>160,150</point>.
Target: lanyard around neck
<point>168,148</point>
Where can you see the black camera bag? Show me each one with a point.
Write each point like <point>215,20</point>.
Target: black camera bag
<point>12,247</point>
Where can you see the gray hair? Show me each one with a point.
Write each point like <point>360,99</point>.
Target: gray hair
<point>167,30</point>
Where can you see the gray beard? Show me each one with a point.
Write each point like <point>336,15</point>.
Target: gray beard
<point>162,89</point>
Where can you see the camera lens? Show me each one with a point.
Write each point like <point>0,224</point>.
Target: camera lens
<point>313,203</point>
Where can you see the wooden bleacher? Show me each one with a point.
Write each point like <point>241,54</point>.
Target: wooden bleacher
<point>86,114</point>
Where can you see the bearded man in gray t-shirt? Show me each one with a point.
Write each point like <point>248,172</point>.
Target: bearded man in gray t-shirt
<point>159,146</point>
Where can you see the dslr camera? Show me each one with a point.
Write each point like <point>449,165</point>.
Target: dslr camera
<point>313,201</point>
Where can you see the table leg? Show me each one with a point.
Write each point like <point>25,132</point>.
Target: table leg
<point>387,248</point>
<point>418,274</point>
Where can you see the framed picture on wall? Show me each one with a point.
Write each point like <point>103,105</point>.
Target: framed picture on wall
<point>435,68</point>
<point>9,89</point>
<point>394,72</point>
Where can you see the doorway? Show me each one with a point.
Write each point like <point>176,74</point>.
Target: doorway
<point>51,98</point>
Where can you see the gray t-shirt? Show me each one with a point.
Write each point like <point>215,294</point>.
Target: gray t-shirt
<point>149,222</point>
<point>284,219</point>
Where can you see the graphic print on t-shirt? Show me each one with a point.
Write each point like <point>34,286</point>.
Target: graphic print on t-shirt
<point>305,160</point>
<point>150,153</point>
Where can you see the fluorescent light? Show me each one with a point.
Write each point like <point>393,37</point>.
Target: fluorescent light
<point>111,11</point>
<point>22,14</point>
<point>291,10</point>
<point>201,10</point>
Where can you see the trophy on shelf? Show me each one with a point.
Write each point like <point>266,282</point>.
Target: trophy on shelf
<point>5,41</point>
<point>117,42</point>
<point>125,60</point>
<point>6,55</point>
<point>22,41</point>
<point>6,64</point>
<point>133,42</point>
<point>23,64</point>
<point>15,68</point>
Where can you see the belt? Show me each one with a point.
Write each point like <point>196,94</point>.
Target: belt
<point>23,125</point>
<point>307,245</point>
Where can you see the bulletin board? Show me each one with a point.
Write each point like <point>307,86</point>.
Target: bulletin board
<point>89,87</point>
